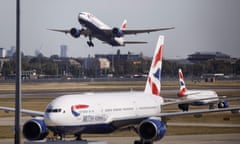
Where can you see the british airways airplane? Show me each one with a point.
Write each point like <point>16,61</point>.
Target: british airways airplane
<point>92,27</point>
<point>99,113</point>
<point>209,97</point>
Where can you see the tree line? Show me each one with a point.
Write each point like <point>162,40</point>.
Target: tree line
<point>50,66</point>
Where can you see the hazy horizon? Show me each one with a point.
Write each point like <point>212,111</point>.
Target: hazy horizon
<point>205,26</point>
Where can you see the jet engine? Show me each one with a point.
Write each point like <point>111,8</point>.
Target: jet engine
<point>151,130</point>
<point>117,32</point>
<point>223,104</point>
<point>75,32</point>
<point>35,129</point>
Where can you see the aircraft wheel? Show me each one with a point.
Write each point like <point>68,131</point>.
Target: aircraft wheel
<point>90,43</point>
<point>142,142</point>
<point>183,107</point>
<point>211,106</point>
<point>137,142</point>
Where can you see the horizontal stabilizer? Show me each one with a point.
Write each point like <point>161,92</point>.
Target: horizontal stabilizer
<point>135,42</point>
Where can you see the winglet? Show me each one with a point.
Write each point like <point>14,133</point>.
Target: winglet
<point>153,85</point>
<point>182,86</point>
<point>124,25</point>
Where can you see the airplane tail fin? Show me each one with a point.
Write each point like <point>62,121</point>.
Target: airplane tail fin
<point>182,86</point>
<point>153,85</point>
<point>124,25</point>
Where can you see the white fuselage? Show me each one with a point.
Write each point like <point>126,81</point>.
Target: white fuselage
<point>96,27</point>
<point>207,96</point>
<point>83,110</point>
<point>87,17</point>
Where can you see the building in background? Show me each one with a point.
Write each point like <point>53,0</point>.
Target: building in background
<point>122,64</point>
<point>3,59</point>
<point>205,56</point>
<point>10,52</point>
<point>63,51</point>
<point>2,52</point>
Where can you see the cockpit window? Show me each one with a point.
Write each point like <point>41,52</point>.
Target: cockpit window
<point>53,110</point>
<point>89,15</point>
<point>81,13</point>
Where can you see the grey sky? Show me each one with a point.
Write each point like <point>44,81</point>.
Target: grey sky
<point>201,25</point>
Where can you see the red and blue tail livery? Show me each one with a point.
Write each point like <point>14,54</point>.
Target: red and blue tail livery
<point>182,86</point>
<point>153,85</point>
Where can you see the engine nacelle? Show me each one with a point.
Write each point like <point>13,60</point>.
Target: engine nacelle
<point>35,129</point>
<point>117,32</point>
<point>223,104</point>
<point>75,32</point>
<point>152,130</point>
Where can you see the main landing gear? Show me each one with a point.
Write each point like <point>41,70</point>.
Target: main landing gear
<point>78,137</point>
<point>183,107</point>
<point>90,43</point>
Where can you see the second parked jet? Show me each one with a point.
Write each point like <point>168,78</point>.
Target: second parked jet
<point>204,97</point>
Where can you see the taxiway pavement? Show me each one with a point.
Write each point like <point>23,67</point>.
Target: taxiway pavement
<point>183,139</point>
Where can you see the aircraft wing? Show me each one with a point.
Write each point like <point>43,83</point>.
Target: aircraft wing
<point>199,111</point>
<point>24,111</point>
<point>229,98</point>
<point>58,30</point>
<point>136,31</point>
<point>171,101</point>
<point>131,121</point>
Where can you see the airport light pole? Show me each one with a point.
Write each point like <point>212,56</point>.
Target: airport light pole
<point>17,136</point>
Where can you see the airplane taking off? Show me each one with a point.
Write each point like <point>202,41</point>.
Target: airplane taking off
<point>99,113</point>
<point>92,27</point>
<point>209,97</point>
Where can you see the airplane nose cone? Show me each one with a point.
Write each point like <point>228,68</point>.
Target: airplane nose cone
<point>54,117</point>
<point>82,18</point>
<point>49,119</point>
